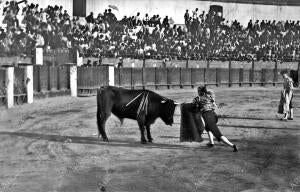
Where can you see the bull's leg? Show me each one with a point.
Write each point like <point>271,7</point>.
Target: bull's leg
<point>150,139</point>
<point>101,120</point>
<point>141,123</point>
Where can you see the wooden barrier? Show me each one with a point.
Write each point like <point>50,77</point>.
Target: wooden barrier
<point>19,85</point>
<point>210,76</point>
<point>235,77</point>
<point>51,81</point>
<point>2,87</point>
<point>149,78</point>
<point>125,77</point>
<point>89,79</point>
<point>174,77</point>
<point>223,76</point>
<point>162,78</point>
<point>137,77</point>
<point>186,78</point>
<point>197,76</point>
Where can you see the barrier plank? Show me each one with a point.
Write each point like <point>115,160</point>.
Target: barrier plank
<point>186,75</point>
<point>174,77</point>
<point>19,81</point>
<point>211,76</point>
<point>126,77</point>
<point>36,78</point>
<point>2,82</point>
<point>268,76</point>
<point>235,75</point>
<point>63,73</point>
<point>137,77</point>
<point>257,76</point>
<point>198,76</point>
<point>117,77</point>
<point>149,77</point>
<point>53,78</point>
<point>44,78</point>
<point>246,76</point>
<point>222,76</point>
<point>161,78</point>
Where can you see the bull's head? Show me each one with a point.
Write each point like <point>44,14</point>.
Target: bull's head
<point>167,111</point>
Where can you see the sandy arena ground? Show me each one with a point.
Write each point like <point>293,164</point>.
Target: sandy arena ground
<point>49,146</point>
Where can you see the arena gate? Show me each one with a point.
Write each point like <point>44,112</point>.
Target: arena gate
<point>89,79</point>
<point>51,81</point>
<point>20,94</point>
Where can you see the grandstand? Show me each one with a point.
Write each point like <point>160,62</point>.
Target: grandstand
<point>206,34</point>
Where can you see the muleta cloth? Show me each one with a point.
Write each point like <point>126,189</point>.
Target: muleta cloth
<point>191,125</point>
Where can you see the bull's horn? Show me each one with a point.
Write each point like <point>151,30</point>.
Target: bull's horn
<point>163,101</point>
<point>176,103</point>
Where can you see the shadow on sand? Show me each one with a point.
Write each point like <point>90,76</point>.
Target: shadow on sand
<point>96,141</point>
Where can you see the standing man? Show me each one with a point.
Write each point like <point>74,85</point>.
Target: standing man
<point>205,103</point>
<point>286,105</point>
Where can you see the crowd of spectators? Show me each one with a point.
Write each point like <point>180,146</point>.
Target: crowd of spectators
<point>203,36</point>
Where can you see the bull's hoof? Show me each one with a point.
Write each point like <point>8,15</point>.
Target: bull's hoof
<point>144,142</point>
<point>105,140</point>
<point>150,140</point>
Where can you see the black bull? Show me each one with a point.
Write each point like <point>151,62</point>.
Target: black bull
<point>142,105</point>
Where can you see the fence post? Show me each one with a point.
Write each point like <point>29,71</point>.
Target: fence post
<point>9,82</point>
<point>29,82</point>
<point>39,56</point>
<point>79,60</point>
<point>144,61</point>
<point>241,77</point>
<point>73,80</point>
<point>252,73</point>
<point>299,73</point>
<point>111,75</point>
<point>230,73</point>
<point>275,80</point>
<point>187,62</point>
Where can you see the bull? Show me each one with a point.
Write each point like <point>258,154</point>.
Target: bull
<point>144,106</point>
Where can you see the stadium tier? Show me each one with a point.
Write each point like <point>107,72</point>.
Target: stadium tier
<point>205,35</point>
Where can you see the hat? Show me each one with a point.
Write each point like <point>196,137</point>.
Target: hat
<point>284,72</point>
<point>202,88</point>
